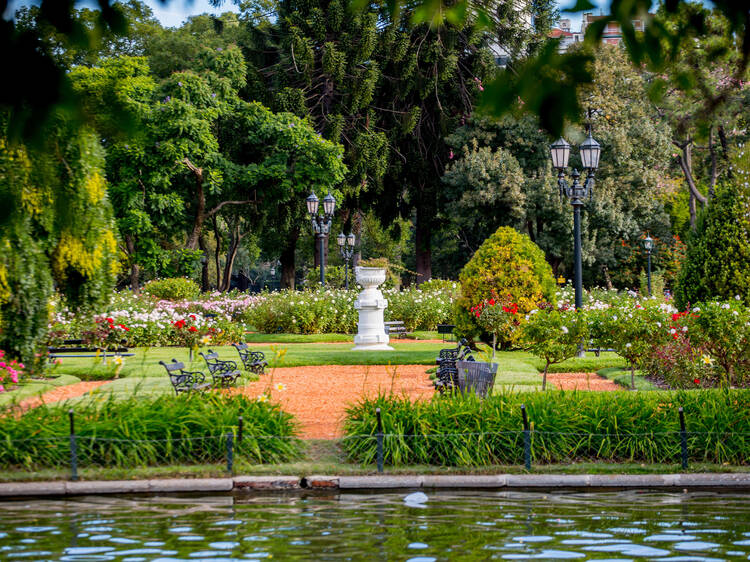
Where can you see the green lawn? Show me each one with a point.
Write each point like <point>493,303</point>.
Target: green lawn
<point>621,375</point>
<point>142,373</point>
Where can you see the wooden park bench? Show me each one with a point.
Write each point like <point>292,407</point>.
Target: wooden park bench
<point>396,328</point>
<point>75,348</point>
<point>183,380</point>
<point>476,377</point>
<point>224,372</point>
<point>254,361</point>
<point>445,329</point>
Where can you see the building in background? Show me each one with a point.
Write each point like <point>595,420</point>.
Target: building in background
<point>612,33</point>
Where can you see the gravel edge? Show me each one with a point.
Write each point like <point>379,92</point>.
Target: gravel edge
<point>378,482</point>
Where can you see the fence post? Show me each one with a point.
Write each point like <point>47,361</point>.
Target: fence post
<point>683,439</point>
<point>380,440</point>
<point>239,430</point>
<point>526,438</point>
<point>230,453</point>
<point>73,449</point>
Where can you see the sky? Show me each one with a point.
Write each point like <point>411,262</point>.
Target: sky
<point>176,11</point>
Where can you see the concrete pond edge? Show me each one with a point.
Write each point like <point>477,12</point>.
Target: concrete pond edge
<point>377,482</point>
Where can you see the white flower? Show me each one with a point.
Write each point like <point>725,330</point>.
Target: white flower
<point>262,398</point>
<point>737,297</point>
<point>280,386</point>
<point>627,345</point>
<point>564,330</point>
<point>672,331</point>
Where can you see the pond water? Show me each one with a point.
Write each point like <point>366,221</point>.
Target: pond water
<point>448,526</point>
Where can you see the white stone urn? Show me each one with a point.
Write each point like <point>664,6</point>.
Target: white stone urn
<point>371,304</point>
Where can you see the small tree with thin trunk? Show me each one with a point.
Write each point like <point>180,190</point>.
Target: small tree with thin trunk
<point>554,335</point>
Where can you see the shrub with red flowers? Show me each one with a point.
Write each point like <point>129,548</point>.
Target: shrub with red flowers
<point>722,329</point>
<point>499,318</point>
<point>10,371</point>
<point>106,334</point>
<point>187,331</point>
<point>679,364</point>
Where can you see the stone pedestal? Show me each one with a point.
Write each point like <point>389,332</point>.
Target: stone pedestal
<point>371,334</point>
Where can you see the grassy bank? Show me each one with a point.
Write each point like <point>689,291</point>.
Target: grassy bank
<point>144,431</point>
<point>566,426</point>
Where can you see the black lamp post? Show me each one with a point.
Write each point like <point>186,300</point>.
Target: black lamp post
<point>346,249</point>
<point>648,245</point>
<point>576,192</point>
<point>321,225</point>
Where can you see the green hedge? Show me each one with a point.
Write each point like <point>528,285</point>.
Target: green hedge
<point>567,426</point>
<point>139,431</point>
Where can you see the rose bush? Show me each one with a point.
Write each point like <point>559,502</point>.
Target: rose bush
<point>10,371</point>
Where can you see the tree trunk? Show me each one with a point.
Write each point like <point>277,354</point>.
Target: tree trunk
<point>632,376</point>
<point>200,208</point>
<point>714,170</point>
<point>234,246</point>
<point>725,149</point>
<point>686,163</point>
<point>693,211</point>
<point>287,261</point>
<point>423,246</point>
<point>217,251</point>
<point>135,268</point>
<point>205,284</point>
<point>544,377</point>
<point>607,278</point>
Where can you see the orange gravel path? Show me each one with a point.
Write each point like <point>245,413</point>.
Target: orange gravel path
<point>60,393</point>
<point>581,381</point>
<point>319,395</point>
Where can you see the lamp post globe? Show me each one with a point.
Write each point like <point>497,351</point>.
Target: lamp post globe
<point>560,152</point>
<point>329,205</point>
<point>312,204</point>
<point>590,151</point>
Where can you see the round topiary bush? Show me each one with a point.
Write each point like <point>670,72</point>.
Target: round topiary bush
<point>172,289</point>
<point>718,255</point>
<point>508,266</point>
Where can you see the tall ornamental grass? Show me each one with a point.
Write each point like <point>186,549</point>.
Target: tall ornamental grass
<point>566,426</point>
<point>143,431</point>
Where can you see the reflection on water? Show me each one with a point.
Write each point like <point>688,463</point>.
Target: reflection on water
<point>448,526</point>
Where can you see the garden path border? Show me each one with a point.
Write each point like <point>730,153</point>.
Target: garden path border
<point>382,482</point>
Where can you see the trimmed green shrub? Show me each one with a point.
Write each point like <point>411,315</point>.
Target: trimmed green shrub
<point>718,255</point>
<point>462,430</point>
<point>172,288</point>
<point>507,265</point>
<point>124,433</point>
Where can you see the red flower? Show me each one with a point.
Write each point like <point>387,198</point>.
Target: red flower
<point>111,320</point>
<point>491,302</point>
<point>179,324</point>
<point>697,381</point>
<point>193,329</point>
<point>122,327</point>
<point>193,317</point>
